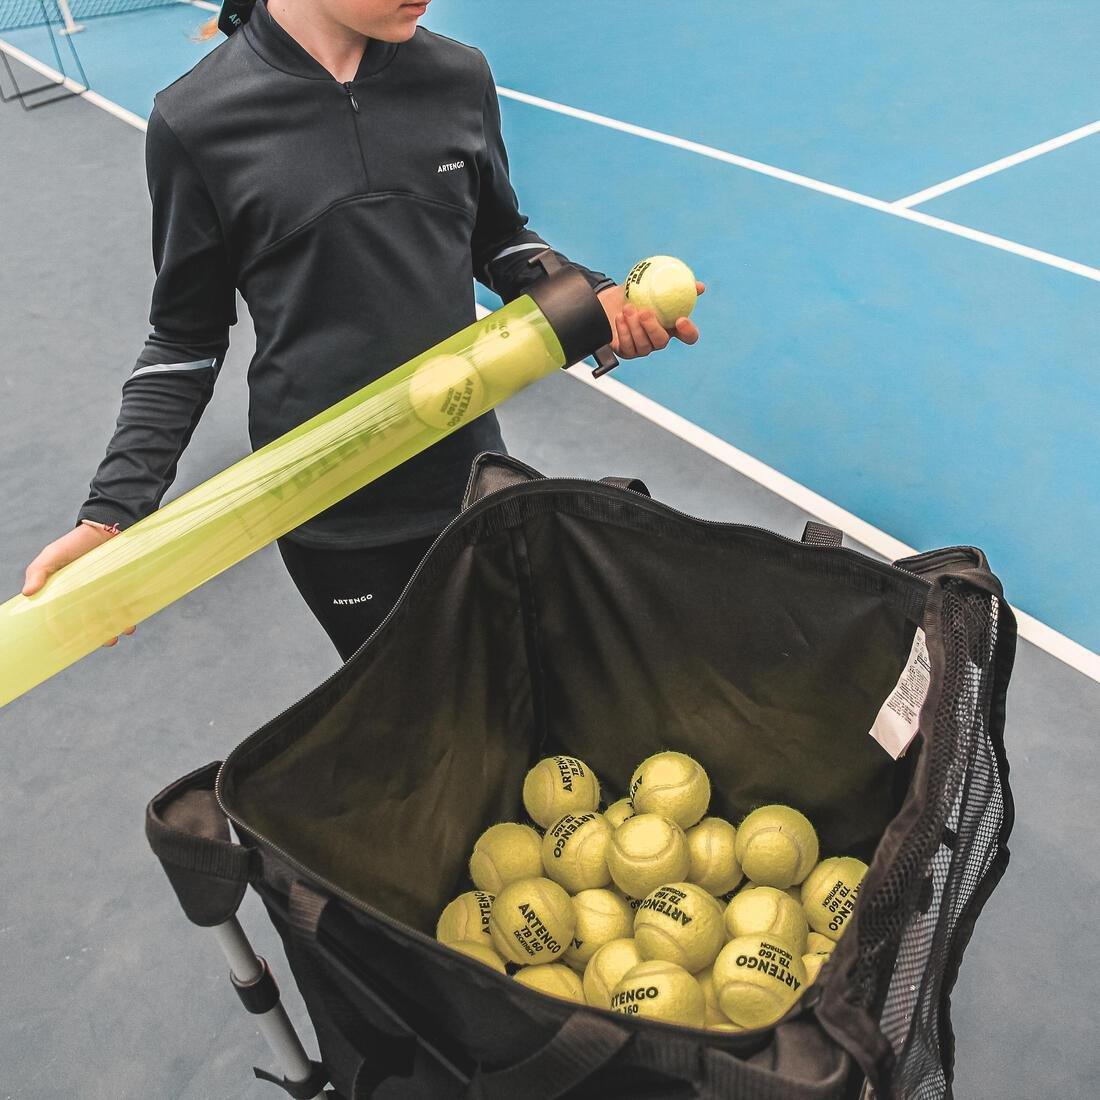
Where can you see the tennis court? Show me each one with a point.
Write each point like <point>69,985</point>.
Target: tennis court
<point>894,215</point>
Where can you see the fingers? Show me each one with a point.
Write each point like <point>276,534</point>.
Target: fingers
<point>656,333</point>
<point>686,331</point>
<point>114,641</point>
<point>626,337</point>
<point>699,287</point>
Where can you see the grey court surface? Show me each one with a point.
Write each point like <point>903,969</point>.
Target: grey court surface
<point>106,992</point>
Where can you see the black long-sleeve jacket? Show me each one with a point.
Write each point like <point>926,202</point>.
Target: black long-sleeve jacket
<point>353,219</point>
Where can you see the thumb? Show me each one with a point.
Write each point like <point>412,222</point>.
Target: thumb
<point>34,578</point>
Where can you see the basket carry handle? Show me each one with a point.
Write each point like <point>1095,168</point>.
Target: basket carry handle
<point>582,1045</point>
<point>190,836</point>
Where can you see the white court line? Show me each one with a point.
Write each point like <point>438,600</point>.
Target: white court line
<point>1039,634</point>
<point>799,180</point>
<point>995,166</point>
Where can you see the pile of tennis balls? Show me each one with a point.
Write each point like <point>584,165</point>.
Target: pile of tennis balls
<point>650,908</point>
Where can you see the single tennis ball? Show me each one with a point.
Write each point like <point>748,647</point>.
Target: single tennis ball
<point>482,952</point>
<point>714,1014</point>
<point>602,916</point>
<point>813,965</point>
<point>659,990</point>
<point>532,921</point>
<point>618,812</point>
<point>606,969</point>
<point>829,894</point>
<point>646,852</point>
<point>560,785</point>
<point>574,851</point>
<point>777,846</point>
<point>447,391</point>
<point>817,944</point>
<point>758,979</point>
<point>663,284</point>
<point>465,918</point>
<point>725,1025</point>
<point>673,785</point>
<point>510,352</point>
<point>505,853</point>
<point>553,978</point>
<point>766,911</point>
<point>714,865</point>
<point>680,923</point>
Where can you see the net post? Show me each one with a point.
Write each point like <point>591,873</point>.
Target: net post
<point>70,27</point>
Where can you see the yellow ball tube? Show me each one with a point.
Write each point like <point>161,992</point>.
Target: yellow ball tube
<point>284,484</point>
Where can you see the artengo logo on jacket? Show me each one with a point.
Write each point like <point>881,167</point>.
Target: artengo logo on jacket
<point>451,166</point>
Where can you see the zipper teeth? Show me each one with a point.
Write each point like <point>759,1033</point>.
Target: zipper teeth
<point>543,485</point>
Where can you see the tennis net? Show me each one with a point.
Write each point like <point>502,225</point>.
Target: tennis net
<point>16,14</point>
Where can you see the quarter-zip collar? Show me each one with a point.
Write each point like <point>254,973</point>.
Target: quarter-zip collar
<point>282,52</point>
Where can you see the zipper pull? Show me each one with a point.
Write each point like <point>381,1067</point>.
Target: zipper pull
<point>351,96</point>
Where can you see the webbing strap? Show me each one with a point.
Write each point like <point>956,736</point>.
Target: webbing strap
<point>634,484</point>
<point>821,534</point>
<point>581,1046</point>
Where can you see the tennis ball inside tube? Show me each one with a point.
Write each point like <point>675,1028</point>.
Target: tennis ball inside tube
<point>447,391</point>
<point>663,284</point>
<point>776,846</point>
<point>512,350</point>
<point>673,785</point>
<point>532,921</point>
<point>560,785</point>
<point>505,853</point>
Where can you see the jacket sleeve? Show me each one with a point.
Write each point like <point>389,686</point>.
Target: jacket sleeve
<point>502,243</point>
<point>193,307</point>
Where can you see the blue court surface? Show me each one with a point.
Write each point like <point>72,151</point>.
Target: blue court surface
<point>928,366</point>
<point>938,388</point>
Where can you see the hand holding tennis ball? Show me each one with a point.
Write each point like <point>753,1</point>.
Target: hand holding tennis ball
<point>652,306</point>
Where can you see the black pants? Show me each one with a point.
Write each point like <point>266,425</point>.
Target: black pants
<point>351,591</point>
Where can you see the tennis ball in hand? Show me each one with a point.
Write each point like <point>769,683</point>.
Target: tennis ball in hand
<point>557,786</point>
<point>618,812</point>
<point>766,911</point>
<point>829,894</point>
<point>646,852</point>
<point>510,352</point>
<point>465,918</point>
<point>673,785</point>
<point>680,923</point>
<point>553,978</point>
<point>446,391</point>
<point>574,851</point>
<point>601,916</point>
<point>505,853</point>
<point>663,284</point>
<point>532,921</point>
<point>758,979</point>
<point>776,846</point>
<point>711,846</point>
<point>659,990</point>
<point>606,969</point>
<point>482,952</point>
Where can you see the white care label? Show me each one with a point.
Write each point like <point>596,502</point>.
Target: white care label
<point>897,721</point>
